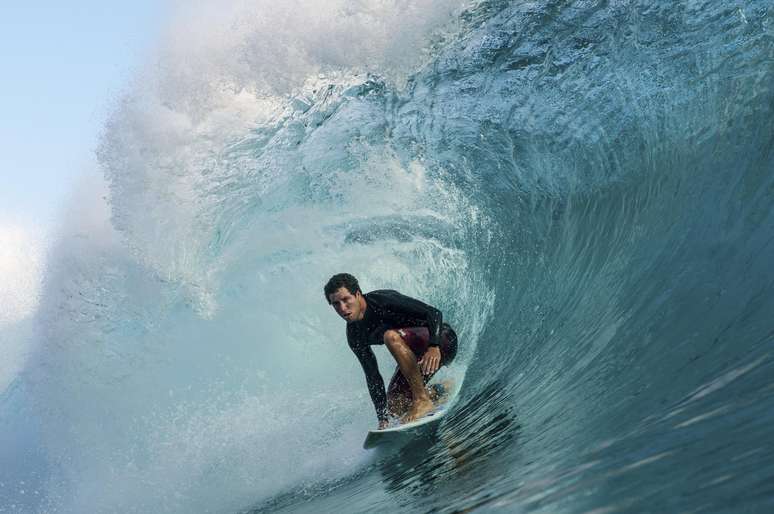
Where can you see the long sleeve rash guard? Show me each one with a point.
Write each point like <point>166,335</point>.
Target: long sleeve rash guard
<point>385,310</point>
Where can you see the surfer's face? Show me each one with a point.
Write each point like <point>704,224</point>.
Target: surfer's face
<point>349,306</point>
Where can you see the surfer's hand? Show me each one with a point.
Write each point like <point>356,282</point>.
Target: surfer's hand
<point>430,361</point>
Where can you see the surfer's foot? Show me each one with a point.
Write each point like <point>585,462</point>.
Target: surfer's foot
<point>418,409</point>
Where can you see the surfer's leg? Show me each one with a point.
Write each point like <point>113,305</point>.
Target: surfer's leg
<point>398,395</point>
<point>409,368</point>
<point>418,339</point>
<point>448,344</point>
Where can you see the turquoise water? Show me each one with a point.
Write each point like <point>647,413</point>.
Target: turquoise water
<point>585,189</point>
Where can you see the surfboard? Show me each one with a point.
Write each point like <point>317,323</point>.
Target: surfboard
<point>422,426</point>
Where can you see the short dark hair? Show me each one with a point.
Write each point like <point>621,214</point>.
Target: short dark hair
<point>341,280</point>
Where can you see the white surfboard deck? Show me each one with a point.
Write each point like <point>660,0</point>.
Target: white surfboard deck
<point>423,425</point>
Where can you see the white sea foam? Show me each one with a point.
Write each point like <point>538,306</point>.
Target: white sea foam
<point>21,261</point>
<point>21,256</point>
<point>184,339</point>
<point>224,69</point>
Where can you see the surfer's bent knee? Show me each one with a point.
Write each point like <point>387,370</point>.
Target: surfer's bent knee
<point>392,337</point>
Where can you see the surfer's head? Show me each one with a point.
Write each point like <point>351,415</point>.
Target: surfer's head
<point>343,294</point>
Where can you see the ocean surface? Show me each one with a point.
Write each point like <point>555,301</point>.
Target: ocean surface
<point>585,188</point>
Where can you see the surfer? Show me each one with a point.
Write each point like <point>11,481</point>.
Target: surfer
<point>414,333</point>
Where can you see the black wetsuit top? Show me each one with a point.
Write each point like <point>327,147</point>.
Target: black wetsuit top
<point>387,309</point>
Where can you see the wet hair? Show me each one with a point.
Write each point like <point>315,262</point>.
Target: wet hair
<point>340,280</point>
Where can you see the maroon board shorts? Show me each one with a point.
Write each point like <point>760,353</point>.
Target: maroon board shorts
<point>417,338</point>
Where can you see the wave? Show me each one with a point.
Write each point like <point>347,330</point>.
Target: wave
<point>585,190</point>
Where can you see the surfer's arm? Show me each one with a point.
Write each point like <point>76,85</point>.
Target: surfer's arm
<point>374,380</point>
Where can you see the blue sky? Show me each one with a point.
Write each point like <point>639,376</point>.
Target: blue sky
<point>63,65</point>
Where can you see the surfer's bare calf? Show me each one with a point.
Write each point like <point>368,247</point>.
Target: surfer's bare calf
<point>399,403</point>
<point>421,403</point>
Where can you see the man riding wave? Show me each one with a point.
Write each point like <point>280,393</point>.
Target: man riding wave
<point>414,333</point>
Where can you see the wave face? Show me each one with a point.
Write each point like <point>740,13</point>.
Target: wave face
<point>586,190</point>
